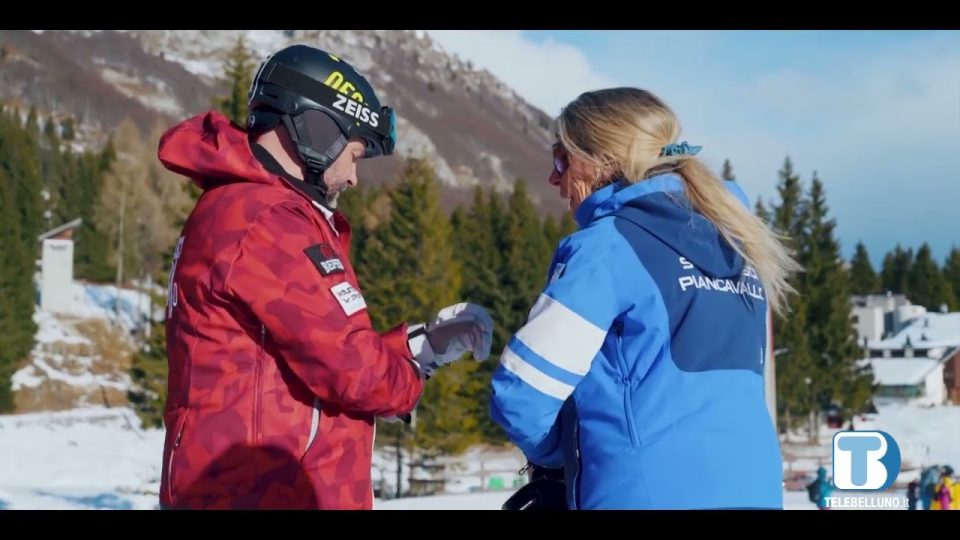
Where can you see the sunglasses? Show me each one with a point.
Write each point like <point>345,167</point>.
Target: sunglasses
<point>560,159</point>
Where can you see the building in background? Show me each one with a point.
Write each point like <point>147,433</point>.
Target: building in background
<point>920,362</point>
<point>878,316</point>
<point>55,272</point>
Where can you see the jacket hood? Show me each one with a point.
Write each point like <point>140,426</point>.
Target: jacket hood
<point>212,151</point>
<point>660,206</point>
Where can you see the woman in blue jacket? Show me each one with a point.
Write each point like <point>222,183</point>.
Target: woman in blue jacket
<point>640,368</point>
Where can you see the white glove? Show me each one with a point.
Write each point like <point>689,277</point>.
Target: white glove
<point>456,330</point>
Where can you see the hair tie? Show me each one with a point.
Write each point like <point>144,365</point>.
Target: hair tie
<point>679,149</point>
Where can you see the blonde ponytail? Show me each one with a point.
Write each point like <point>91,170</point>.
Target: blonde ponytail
<point>624,132</point>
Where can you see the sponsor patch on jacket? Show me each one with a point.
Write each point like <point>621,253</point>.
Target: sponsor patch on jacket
<point>351,301</point>
<point>325,259</point>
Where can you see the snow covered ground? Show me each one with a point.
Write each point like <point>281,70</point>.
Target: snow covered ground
<point>94,458</point>
<point>101,458</point>
<point>62,353</point>
<point>793,500</point>
<point>925,435</point>
<point>52,330</point>
<point>129,308</point>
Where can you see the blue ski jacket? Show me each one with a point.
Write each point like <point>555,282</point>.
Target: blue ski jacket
<point>640,368</point>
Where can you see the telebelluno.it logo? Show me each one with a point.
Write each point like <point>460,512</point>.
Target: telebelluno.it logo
<point>865,460</point>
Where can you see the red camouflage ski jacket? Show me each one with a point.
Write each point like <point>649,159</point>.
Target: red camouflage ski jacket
<point>275,372</point>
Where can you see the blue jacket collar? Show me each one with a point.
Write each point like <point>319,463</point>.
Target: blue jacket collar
<point>611,198</point>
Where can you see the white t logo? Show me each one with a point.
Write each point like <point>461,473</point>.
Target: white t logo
<point>862,460</point>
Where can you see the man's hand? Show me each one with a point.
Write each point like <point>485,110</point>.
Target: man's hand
<point>456,330</point>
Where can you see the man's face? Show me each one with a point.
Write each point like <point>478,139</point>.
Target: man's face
<point>342,173</point>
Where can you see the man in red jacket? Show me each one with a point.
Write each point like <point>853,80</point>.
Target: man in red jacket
<point>276,374</point>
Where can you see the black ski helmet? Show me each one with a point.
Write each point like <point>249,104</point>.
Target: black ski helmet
<point>305,88</point>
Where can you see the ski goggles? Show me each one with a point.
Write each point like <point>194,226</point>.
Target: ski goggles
<point>377,127</point>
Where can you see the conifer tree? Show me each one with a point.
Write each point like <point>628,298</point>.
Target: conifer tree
<point>896,269</point>
<point>238,70</point>
<point>927,284</point>
<point>863,278</point>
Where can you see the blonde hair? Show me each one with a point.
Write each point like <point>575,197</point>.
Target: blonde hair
<point>622,131</point>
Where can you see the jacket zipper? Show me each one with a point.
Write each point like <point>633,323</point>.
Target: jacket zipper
<point>579,480</point>
<point>373,446</point>
<point>627,394</point>
<point>258,377</point>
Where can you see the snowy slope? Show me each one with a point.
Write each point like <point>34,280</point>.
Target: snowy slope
<point>49,358</point>
<point>52,330</point>
<point>82,359</point>
<point>925,435</point>
<point>129,308</point>
<point>84,458</point>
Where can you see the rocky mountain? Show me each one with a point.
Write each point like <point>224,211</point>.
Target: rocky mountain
<point>473,127</point>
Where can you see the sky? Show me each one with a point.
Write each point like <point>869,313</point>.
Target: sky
<point>875,114</point>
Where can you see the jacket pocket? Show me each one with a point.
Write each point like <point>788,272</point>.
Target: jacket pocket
<point>314,426</point>
<point>628,412</point>
<point>179,428</point>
